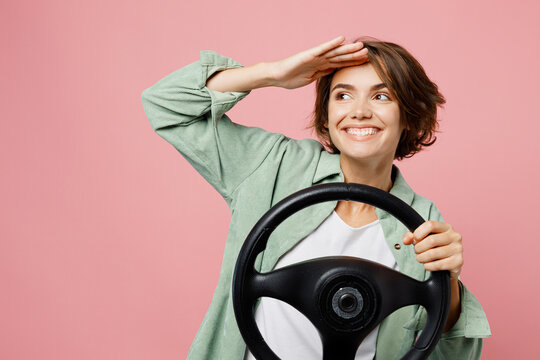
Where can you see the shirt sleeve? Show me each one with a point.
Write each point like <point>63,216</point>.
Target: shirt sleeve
<point>191,117</point>
<point>464,339</point>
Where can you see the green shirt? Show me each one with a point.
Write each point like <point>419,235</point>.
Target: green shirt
<point>253,169</point>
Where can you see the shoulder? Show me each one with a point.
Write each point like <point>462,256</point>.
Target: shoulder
<point>428,208</point>
<point>305,145</point>
<point>303,150</point>
<point>424,206</point>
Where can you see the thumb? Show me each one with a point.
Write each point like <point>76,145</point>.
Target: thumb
<point>408,238</point>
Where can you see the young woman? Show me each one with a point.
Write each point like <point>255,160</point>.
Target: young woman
<point>374,105</point>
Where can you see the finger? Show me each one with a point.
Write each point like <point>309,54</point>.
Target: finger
<point>452,264</point>
<point>348,63</point>
<point>322,73</point>
<point>438,253</point>
<point>344,49</point>
<point>408,238</point>
<point>327,46</point>
<point>348,57</point>
<point>429,227</point>
<point>433,241</point>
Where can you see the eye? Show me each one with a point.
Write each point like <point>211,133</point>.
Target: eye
<point>342,96</point>
<point>383,94</point>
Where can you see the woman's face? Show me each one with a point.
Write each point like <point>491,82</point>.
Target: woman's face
<point>363,117</point>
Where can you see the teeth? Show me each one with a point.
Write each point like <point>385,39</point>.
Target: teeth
<point>362,132</point>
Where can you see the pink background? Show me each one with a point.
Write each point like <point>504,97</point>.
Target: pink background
<point>111,244</point>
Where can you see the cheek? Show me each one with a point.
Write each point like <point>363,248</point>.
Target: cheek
<point>336,113</point>
<point>388,112</point>
<point>390,116</point>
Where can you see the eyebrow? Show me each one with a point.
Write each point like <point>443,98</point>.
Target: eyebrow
<point>350,87</point>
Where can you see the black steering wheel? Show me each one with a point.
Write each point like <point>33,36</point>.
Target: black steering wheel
<point>344,297</point>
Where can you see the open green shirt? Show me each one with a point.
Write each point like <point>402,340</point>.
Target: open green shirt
<point>253,169</point>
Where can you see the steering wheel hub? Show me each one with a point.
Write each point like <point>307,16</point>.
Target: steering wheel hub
<point>347,303</point>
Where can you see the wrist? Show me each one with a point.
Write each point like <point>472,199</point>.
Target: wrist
<point>264,74</point>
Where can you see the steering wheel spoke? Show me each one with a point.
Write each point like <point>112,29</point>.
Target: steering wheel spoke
<point>283,283</point>
<point>339,347</point>
<point>397,290</point>
<point>295,284</point>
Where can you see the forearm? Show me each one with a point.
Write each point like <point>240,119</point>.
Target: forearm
<point>242,79</point>
<point>455,305</point>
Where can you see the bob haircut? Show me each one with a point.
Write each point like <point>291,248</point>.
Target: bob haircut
<point>417,97</point>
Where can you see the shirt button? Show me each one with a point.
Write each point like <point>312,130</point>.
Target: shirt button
<point>397,246</point>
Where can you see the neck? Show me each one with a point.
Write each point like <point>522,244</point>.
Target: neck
<point>378,175</point>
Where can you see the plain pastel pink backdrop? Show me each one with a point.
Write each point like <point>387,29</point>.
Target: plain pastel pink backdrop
<point>111,244</point>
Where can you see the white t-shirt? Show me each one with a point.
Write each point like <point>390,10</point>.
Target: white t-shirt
<point>289,333</point>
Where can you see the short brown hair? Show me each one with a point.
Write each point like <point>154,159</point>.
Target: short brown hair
<point>417,96</point>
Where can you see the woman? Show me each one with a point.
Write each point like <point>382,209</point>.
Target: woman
<point>374,104</point>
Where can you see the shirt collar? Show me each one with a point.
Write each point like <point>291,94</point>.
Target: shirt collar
<point>329,165</point>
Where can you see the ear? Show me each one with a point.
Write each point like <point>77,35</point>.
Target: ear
<point>326,125</point>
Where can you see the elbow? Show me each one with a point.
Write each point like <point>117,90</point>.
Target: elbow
<point>145,97</point>
<point>149,108</point>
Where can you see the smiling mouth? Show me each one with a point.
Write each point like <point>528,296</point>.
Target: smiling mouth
<point>361,134</point>
<point>362,131</point>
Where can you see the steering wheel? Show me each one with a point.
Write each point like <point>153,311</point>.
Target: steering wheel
<point>344,297</point>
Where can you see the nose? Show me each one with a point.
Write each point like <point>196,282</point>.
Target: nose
<point>361,109</point>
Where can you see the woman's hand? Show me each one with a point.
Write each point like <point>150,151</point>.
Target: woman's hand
<point>307,66</point>
<point>437,246</point>
<point>292,72</point>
